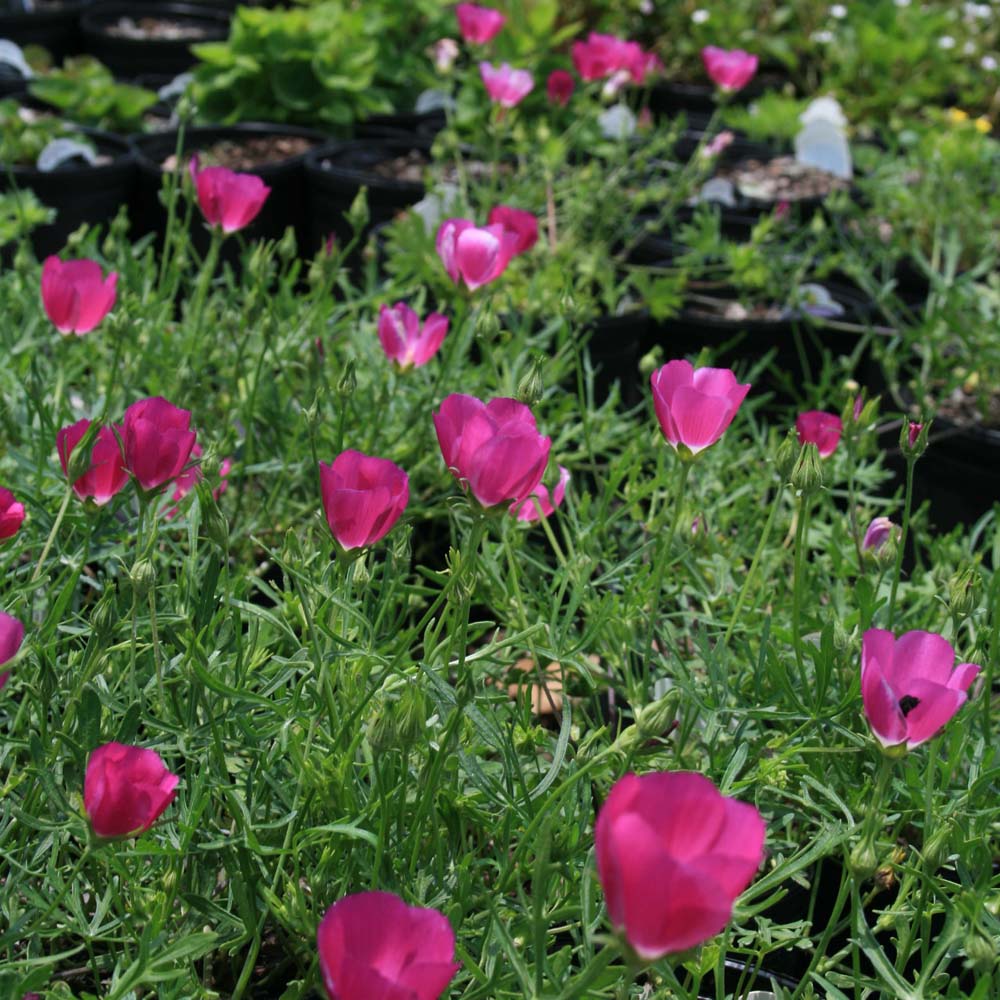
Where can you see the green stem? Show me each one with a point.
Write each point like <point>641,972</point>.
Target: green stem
<point>175,183</point>
<point>52,534</point>
<point>852,504</point>
<point>801,529</point>
<point>910,462</point>
<point>755,562</point>
<point>201,292</point>
<point>663,547</point>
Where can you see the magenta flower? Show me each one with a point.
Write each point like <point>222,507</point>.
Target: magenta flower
<point>910,686</point>
<point>695,406</point>
<point>602,56</point>
<point>541,504</point>
<point>107,474</point>
<point>372,946</point>
<point>913,432</point>
<point>193,474</point>
<point>157,440</point>
<point>75,294</point>
<point>11,637</point>
<point>476,255</point>
<point>673,854</point>
<point>821,429</point>
<point>729,70</point>
<point>405,340</point>
<point>506,86</point>
<point>126,789</point>
<point>478,25</point>
<point>226,198</point>
<point>493,449</point>
<point>559,87</point>
<point>524,225</point>
<point>11,514</point>
<point>879,532</point>
<point>363,497</point>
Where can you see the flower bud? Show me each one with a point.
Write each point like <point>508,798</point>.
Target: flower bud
<point>963,592</point>
<point>787,455</point>
<point>863,860</point>
<point>529,389</point>
<point>913,438</point>
<point>287,245</point>
<point>348,381</point>
<point>807,476</point>
<point>358,214</point>
<point>399,719</point>
<point>658,718</point>
<point>143,577</point>
<point>650,361</point>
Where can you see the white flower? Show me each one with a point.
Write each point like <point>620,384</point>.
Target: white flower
<point>823,37</point>
<point>618,122</point>
<point>700,16</point>
<point>946,42</point>
<point>988,63</point>
<point>838,10</point>
<point>902,3</point>
<point>969,48</point>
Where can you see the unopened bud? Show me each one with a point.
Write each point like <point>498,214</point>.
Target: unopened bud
<point>650,361</point>
<point>143,577</point>
<point>982,952</point>
<point>658,718</point>
<point>348,381</point>
<point>287,245</point>
<point>863,860</point>
<point>358,214</point>
<point>913,438</point>
<point>787,455</point>
<point>807,476</point>
<point>529,389</point>
<point>963,592</point>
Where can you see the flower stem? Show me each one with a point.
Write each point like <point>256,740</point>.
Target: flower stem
<point>801,533</point>
<point>52,533</point>
<point>664,545</point>
<point>910,462</point>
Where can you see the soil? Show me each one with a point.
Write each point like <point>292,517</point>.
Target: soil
<point>736,312</point>
<point>966,409</point>
<point>161,29</point>
<point>249,153</point>
<point>781,179</point>
<point>409,167</point>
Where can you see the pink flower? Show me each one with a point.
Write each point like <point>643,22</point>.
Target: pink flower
<point>363,497</point>
<point>540,504</point>
<point>107,474</point>
<point>157,440</point>
<point>879,532</point>
<point>672,855</point>
<point>126,789</point>
<point>476,255</point>
<point>601,56</point>
<point>493,449</point>
<point>910,686</point>
<point>11,637</point>
<point>11,514</point>
<point>719,144</point>
<point>76,295</point>
<point>695,406</point>
<point>226,198</point>
<point>404,340</point>
<point>559,87</point>
<point>821,429</point>
<point>372,946</point>
<point>444,52</point>
<point>478,25</point>
<point>913,431</point>
<point>524,225</point>
<point>729,70</point>
<point>506,87</point>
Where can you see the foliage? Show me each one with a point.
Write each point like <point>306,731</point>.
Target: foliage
<point>85,91</point>
<point>24,134</point>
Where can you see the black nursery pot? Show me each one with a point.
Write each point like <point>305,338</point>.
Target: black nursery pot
<point>958,474</point>
<point>336,174</point>
<point>285,205</point>
<point>614,346</point>
<point>131,57</point>
<point>54,26</point>
<point>79,193</point>
<point>799,342</point>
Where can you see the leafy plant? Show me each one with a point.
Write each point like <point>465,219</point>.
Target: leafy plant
<point>24,134</point>
<point>85,91</point>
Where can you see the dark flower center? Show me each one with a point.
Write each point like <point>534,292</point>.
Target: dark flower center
<point>908,703</point>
